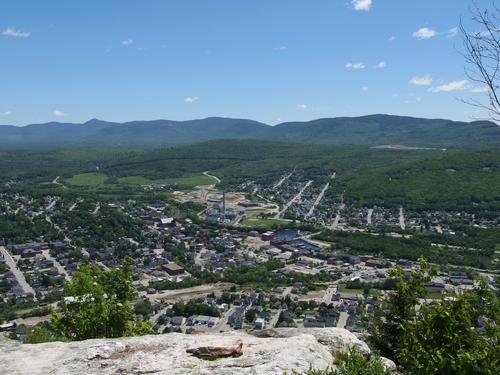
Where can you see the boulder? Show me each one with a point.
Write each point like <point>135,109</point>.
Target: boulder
<point>168,354</point>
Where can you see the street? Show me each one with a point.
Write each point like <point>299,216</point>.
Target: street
<point>17,273</point>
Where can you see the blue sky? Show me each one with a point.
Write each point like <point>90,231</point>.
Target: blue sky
<point>268,60</point>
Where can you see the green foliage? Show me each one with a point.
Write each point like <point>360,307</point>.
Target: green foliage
<point>482,242</point>
<point>193,308</point>
<point>97,304</point>
<point>430,179</point>
<point>446,337</point>
<point>458,335</point>
<point>399,308</point>
<point>355,364</point>
<point>40,334</point>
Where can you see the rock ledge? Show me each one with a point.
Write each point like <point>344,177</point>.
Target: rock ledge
<point>279,351</point>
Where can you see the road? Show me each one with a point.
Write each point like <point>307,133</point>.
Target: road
<point>369,216</point>
<point>222,325</point>
<point>60,268</point>
<point>51,205</point>
<point>55,181</point>
<point>329,292</point>
<point>274,319</point>
<point>17,273</point>
<point>402,218</point>
<point>280,182</point>
<point>293,200</point>
<point>73,206</point>
<point>97,208</point>
<point>187,293</point>
<point>336,221</point>
<point>342,319</point>
<point>320,196</point>
<point>214,177</point>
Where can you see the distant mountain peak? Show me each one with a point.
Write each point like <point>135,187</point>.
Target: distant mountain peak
<point>370,130</point>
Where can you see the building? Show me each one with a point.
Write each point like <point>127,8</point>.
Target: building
<point>173,269</point>
<point>260,323</point>
<point>267,236</point>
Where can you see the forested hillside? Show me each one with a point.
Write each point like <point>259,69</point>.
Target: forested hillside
<point>418,178</point>
<point>371,130</point>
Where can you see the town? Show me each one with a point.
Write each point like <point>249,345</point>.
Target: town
<point>212,261</point>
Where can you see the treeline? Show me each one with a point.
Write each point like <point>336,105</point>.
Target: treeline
<point>406,248</point>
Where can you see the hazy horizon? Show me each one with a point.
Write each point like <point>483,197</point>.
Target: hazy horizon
<point>268,61</point>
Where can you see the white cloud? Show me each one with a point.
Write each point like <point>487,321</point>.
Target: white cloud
<point>364,88</point>
<point>6,113</point>
<point>421,81</point>
<point>191,99</point>
<point>451,86</point>
<point>355,66</point>
<point>127,42</point>
<point>361,4</point>
<point>452,32</point>
<point>381,65</point>
<point>392,38</point>
<point>479,89</point>
<point>9,31</point>
<point>302,106</point>
<point>281,48</point>
<point>59,113</point>
<point>424,33</point>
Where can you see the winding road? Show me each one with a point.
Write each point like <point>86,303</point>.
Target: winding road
<point>214,177</point>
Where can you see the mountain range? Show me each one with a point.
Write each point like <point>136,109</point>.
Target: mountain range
<point>372,130</point>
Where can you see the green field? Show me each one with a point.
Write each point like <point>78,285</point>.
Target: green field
<point>373,292</point>
<point>268,223</point>
<point>87,179</point>
<point>185,182</point>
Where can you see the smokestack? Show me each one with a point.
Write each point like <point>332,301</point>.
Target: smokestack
<point>223,207</point>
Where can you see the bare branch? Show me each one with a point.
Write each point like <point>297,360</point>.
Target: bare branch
<point>482,56</point>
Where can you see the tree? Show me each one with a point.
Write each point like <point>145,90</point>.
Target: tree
<point>97,304</point>
<point>250,315</point>
<point>399,308</point>
<point>455,335</point>
<point>482,56</point>
<point>459,336</point>
<point>354,363</point>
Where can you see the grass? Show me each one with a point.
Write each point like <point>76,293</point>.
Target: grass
<point>87,179</point>
<point>185,182</point>
<point>260,222</point>
<point>98,179</point>
<point>373,292</point>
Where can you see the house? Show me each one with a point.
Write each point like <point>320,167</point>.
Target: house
<point>260,323</point>
<point>375,263</point>
<point>7,327</point>
<point>267,236</point>
<point>208,321</point>
<point>173,269</point>
<point>29,253</point>
<point>434,287</point>
<point>235,320</point>
<point>167,222</point>
<point>178,321</point>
